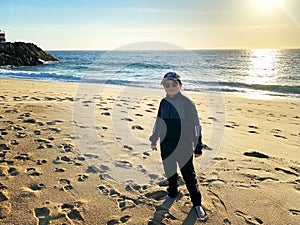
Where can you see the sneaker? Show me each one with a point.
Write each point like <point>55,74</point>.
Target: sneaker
<point>199,211</point>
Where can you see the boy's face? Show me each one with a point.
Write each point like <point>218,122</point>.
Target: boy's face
<point>172,87</point>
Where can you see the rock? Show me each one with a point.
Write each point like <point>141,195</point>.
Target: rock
<point>23,54</point>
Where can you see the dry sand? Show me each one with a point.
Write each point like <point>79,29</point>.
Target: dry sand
<point>74,154</point>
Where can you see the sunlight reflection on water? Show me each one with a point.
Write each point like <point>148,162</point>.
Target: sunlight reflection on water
<point>262,66</point>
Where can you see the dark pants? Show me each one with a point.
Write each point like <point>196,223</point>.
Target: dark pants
<point>182,155</point>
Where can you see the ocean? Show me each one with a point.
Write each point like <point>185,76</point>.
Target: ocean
<point>261,72</point>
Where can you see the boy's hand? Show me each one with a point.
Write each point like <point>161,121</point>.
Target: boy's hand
<point>153,147</point>
<point>197,155</point>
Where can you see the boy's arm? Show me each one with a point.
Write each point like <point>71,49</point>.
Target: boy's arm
<point>198,133</point>
<point>156,129</point>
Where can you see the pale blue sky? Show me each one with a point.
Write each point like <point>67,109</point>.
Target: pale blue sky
<point>191,24</point>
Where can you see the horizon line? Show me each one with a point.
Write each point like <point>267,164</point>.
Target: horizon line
<point>196,49</point>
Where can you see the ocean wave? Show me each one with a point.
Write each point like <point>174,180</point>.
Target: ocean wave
<point>148,66</point>
<point>241,87</point>
<point>38,75</point>
<point>264,87</point>
<point>224,67</point>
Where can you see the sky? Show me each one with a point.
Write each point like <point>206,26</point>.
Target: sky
<point>189,24</point>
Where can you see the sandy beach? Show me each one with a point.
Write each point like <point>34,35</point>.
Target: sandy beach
<point>79,154</point>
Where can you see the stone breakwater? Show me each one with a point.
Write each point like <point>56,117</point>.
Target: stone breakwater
<point>23,54</point>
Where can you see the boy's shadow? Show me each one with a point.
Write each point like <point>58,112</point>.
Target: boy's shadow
<point>161,212</point>
<point>191,218</point>
<point>163,209</point>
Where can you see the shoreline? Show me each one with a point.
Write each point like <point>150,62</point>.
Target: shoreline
<point>261,95</point>
<point>60,165</point>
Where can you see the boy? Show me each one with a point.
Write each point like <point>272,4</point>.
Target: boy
<point>177,126</point>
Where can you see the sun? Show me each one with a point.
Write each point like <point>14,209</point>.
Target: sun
<point>269,3</point>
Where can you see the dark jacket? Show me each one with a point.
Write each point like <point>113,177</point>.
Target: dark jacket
<point>177,118</point>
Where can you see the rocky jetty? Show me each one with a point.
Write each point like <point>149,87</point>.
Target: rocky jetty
<point>23,54</point>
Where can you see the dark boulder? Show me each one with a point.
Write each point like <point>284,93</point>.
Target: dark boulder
<point>22,54</point>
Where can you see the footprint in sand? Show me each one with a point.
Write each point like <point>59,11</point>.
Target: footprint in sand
<point>91,156</point>
<point>279,136</point>
<point>55,130</point>
<point>24,115</point>
<point>256,155</point>
<point>32,121</point>
<point>212,118</point>
<point>130,186</point>
<point>42,215</point>
<point>4,132</point>
<point>33,172</point>
<point>155,195</point>
<point>146,155</point>
<point>3,187</point>
<point>127,119</point>
<point>41,162</point>
<point>21,135</point>
<point>4,147</point>
<point>295,212</point>
<point>72,211</point>
<point>12,111</point>
<point>259,178</point>
<point>123,219</point>
<point>66,185</point>
<point>104,128</point>
<point>37,187</point>
<point>103,108</point>
<point>123,164</point>
<point>104,190</point>
<point>253,131</point>
<point>231,124</point>
<point>37,132</point>
<point>249,219</point>
<point>128,147</point>
<point>13,171</point>
<point>54,122</point>
<point>22,156</point>
<point>137,127</point>
<point>35,99</point>
<point>40,124</point>
<point>60,170</point>
<point>276,131</point>
<point>286,171</point>
<point>123,201</point>
<point>62,159</point>
<point>102,169</point>
<point>66,147</point>
<point>219,205</point>
<point>82,177</point>
<point>105,113</point>
<point>17,128</point>
<point>9,122</point>
<point>3,197</point>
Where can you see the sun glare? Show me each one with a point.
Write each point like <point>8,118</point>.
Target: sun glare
<point>262,66</point>
<point>268,3</point>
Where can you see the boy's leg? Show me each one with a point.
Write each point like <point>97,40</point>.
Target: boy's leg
<point>170,168</point>
<point>172,189</point>
<point>189,176</point>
